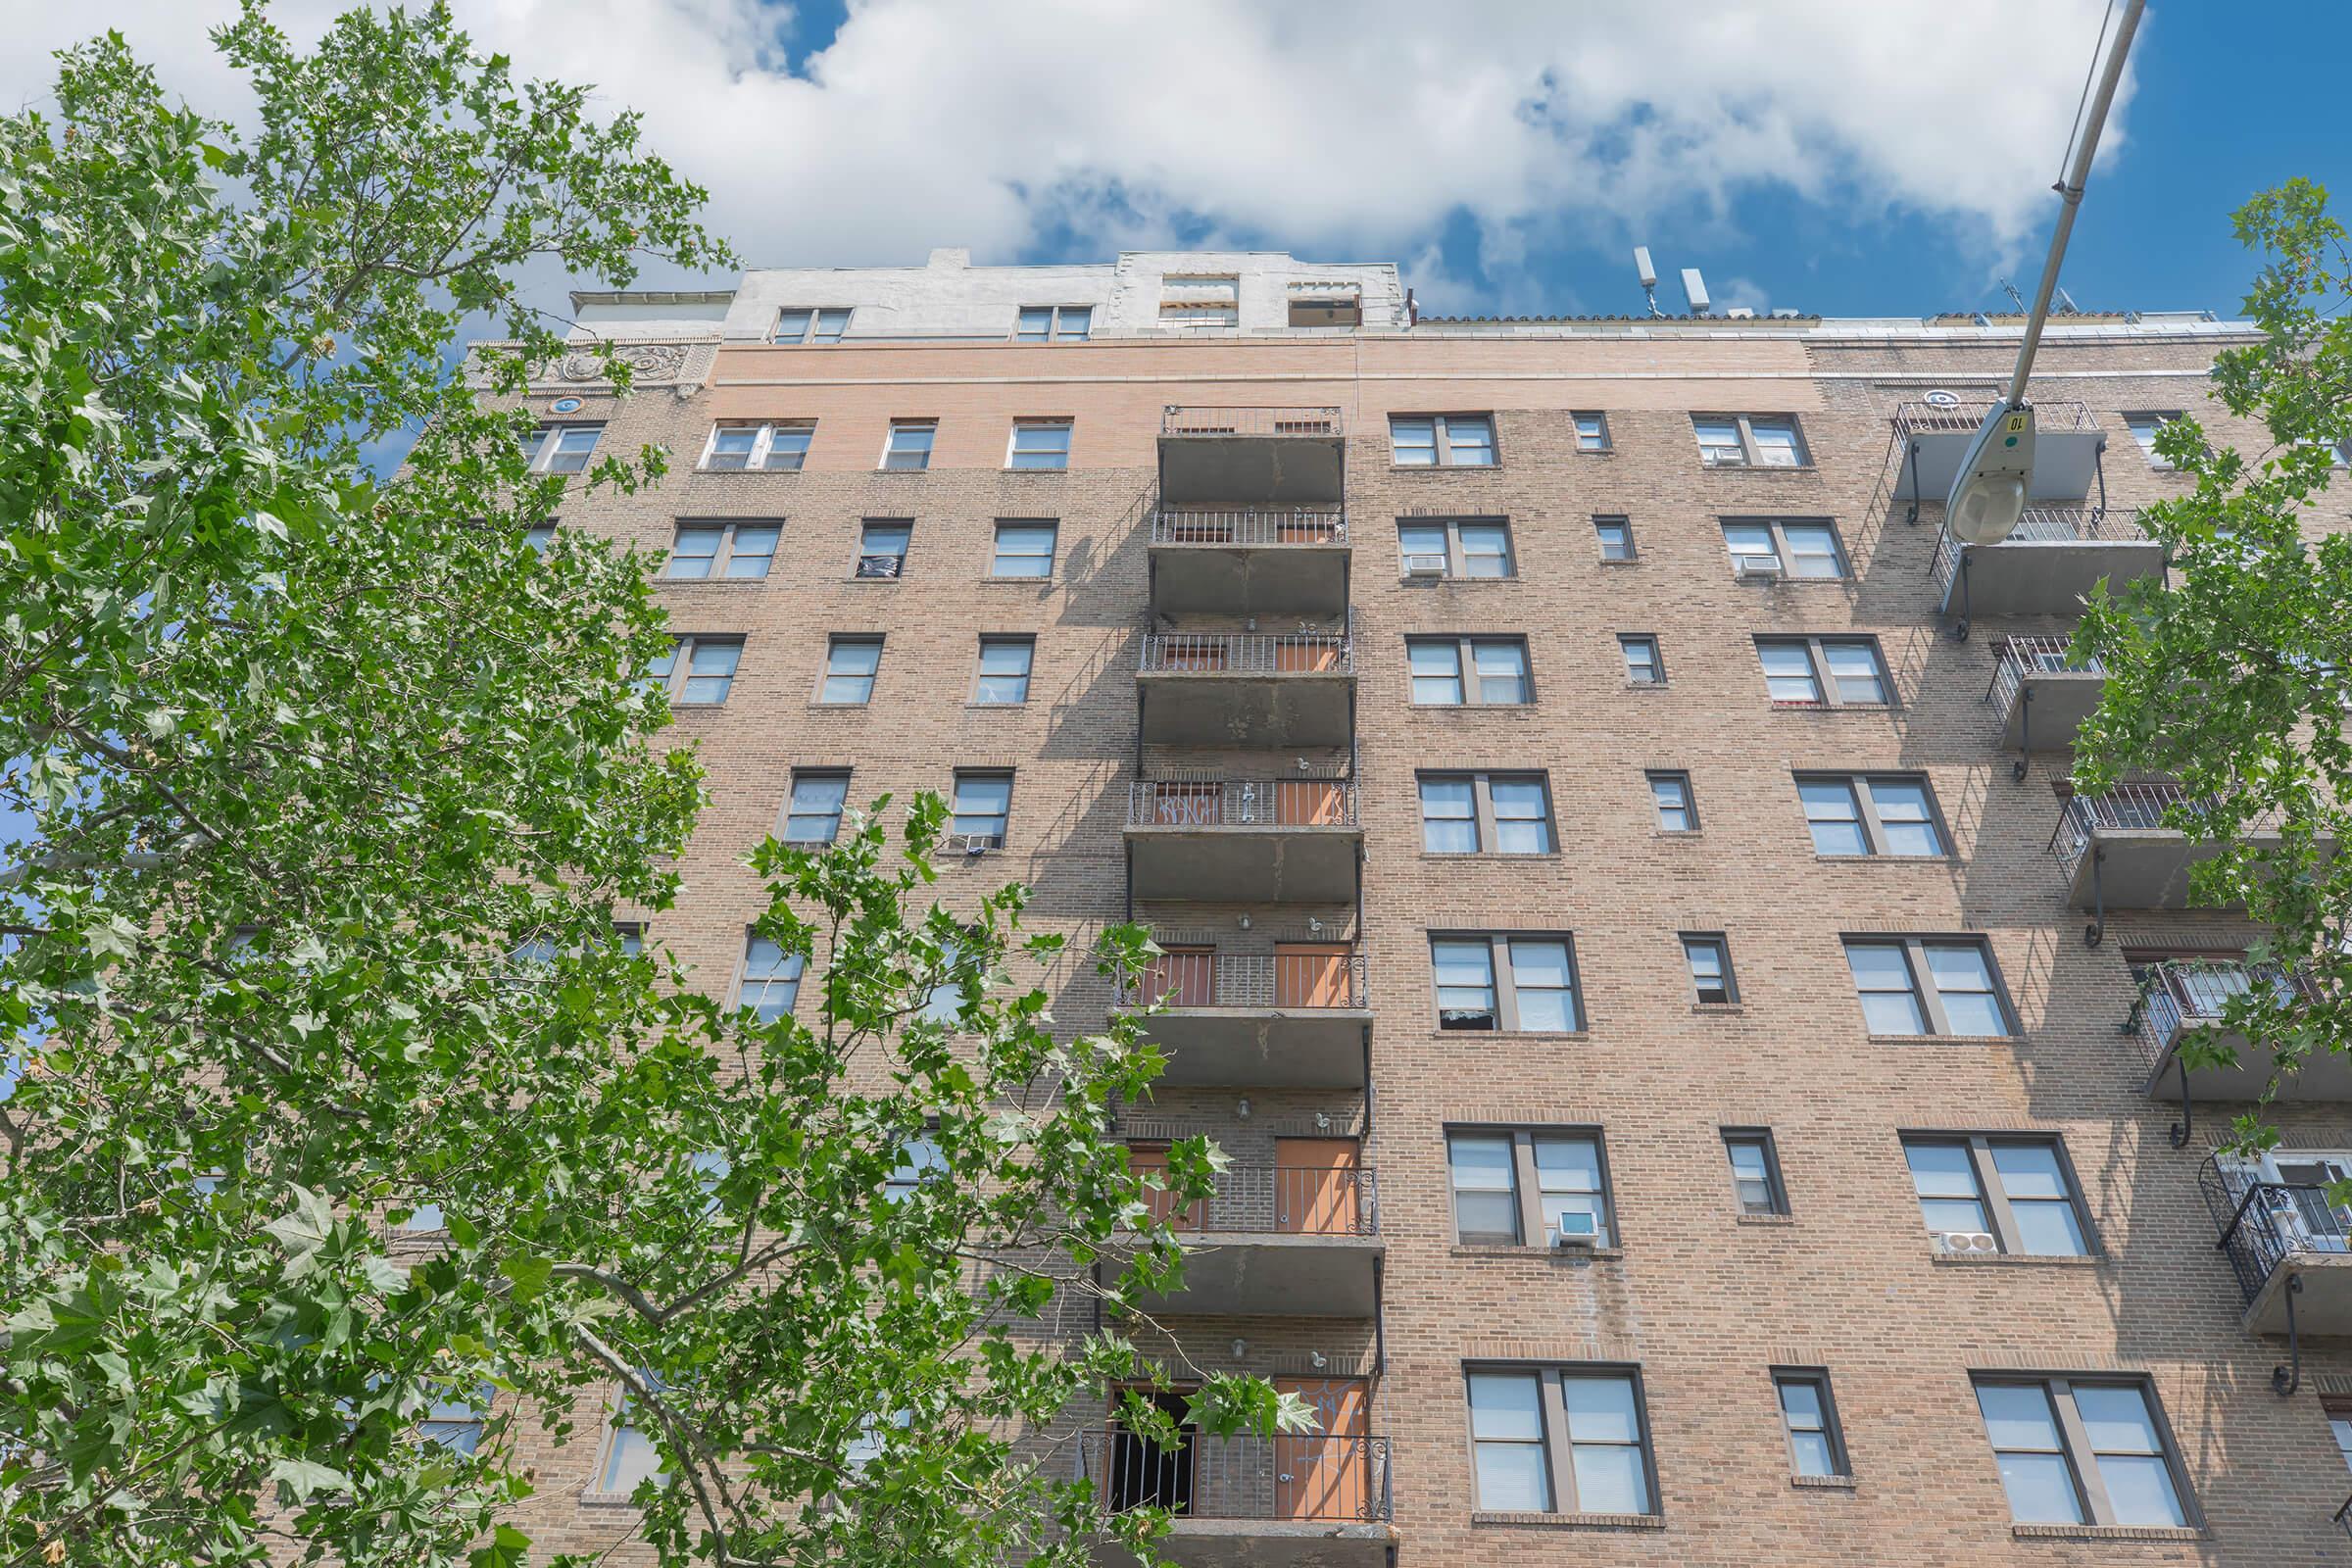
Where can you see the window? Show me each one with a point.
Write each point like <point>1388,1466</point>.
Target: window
<point>1591,432</point>
<point>1039,443</point>
<point>1616,536</point>
<point>818,325</point>
<point>1003,670</point>
<point>2144,429</point>
<point>909,447</point>
<point>629,936</point>
<point>1326,304</point>
<point>698,669</point>
<point>2339,1426</point>
<point>1457,547</point>
<point>562,447</point>
<point>1960,995</point>
<point>1642,666</point>
<point>1200,299</point>
<point>738,549</point>
<point>1755,1170</point>
<point>1442,440</point>
<point>771,979</point>
<point>453,1418</point>
<point>629,1455</point>
<point>1748,441</point>
<point>1497,666</point>
<point>1495,813</point>
<point>1512,1183</point>
<point>1816,1447</point>
<point>920,1158</point>
<point>1709,956</point>
<point>882,550</point>
<point>1039,323</point>
<point>1824,671</point>
<point>1491,980</point>
<point>1025,549</point>
<point>812,812</point>
<point>1670,794</point>
<point>982,801</point>
<point>1560,1439</point>
<point>2019,1190</point>
<point>849,666</point>
<point>1871,814</point>
<point>538,537</point>
<point>2082,1450</point>
<point>1782,547</point>
<point>776,448</point>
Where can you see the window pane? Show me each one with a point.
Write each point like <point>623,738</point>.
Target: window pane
<point>1568,1188</point>
<point>1601,1410</point>
<point>1425,541</point>
<point>1003,670</point>
<point>884,539</point>
<point>1025,549</point>
<point>1834,815</point>
<point>1640,660</point>
<point>1963,982</point>
<point>788,446</point>
<point>2116,1419</point>
<point>1413,442</point>
<point>850,668</point>
<point>1591,433</point>
<point>792,326</point>
<point>1540,976</point>
<point>1789,672</point>
<point>1037,322</point>
<point>1512,1478</point>
<point>1811,1453</point>
<point>1437,672</point>
<point>2141,1489</point>
<point>830,325</point>
<point>909,447</point>
<point>630,1459</point>
<point>1486,550</point>
<point>2040,1488</point>
<point>1041,446</point>
<point>815,813</point>
<point>732,446</point>
<point>1718,441</point>
<point>981,802</point>
<point>1077,321</point>
<point>2018,1416</point>
<point>1801,1402</point>
<point>1522,818</point>
<point>1449,816</point>
<point>1776,443</point>
<point>1751,545</point>
<point>1505,1406</point>
<point>695,549</point>
<point>1812,549</point>
<point>2048,1229</point>
<point>1501,670</point>
<point>1465,978</point>
<point>1611,1479</point>
<point>771,979</point>
<point>1673,800</point>
<point>753,548</point>
<point>1854,666</point>
<point>1906,815</point>
<point>1616,540</point>
<point>2029,1171</point>
<point>1883,979</point>
<point>1485,1203</point>
<point>709,671</point>
<point>1470,443</point>
<point>1708,971</point>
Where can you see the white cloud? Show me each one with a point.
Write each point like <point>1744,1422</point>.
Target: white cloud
<point>1357,131</point>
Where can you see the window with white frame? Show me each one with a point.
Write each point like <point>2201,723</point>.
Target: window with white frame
<point>812,810</point>
<point>1509,981</point>
<point>920,1157</point>
<point>771,978</point>
<point>1043,323</point>
<point>907,448</point>
<point>774,447</point>
<point>1442,440</point>
<point>1456,547</point>
<point>740,550</point>
<point>1495,667</point>
<point>1486,814</point>
<point>453,1418</point>
<point>1805,549</point>
<point>696,670</point>
<point>1928,986</point>
<point>849,666</point>
<point>2019,1190</point>
<point>1872,813</point>
<point>2083,1451</point>
<point>562,447</point>
<point>1004,678</point>
<point>538,537</point>
<point>1824,672</point>
<point>1024,548</point>
<point>1038,445</point>
<point>1568,1440</point>
<point>1749,441</point>
<point>812,323</point>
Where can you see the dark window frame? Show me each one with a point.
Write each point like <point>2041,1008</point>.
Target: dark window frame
<point>1506,984</point>
<point>1457,557</point>
<point>674,680</point>
<point>1775,1187</point>
<point>1653,776</point>
<point>1629,643</point>
<point>1784,555</point>
<point>1924,992</point>
<point>1003,834</point>
<point>1442,443</point>
<point>1527,1181</point>
<point>1633,547</point>
<point>1601,441</point>
<point>1485,821</point>
<point>1832,1429</point>
<point>1866,807</point>
<point>1722,944</point>
<point>1825,681</point>
<point>722,560</point>
<point>1750,450</point>
<point>988,639</point>
<point>1557,1445</point>
<point>2082,1459</point>
<point>1992,1194</point>
<point>1466,645</point>
<point>995,549</point>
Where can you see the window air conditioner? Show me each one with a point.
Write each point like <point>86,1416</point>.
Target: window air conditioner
<point>1425,565</point>
<point>1757,568</point>
<point>1966,1243</point>
<point>978,843</point>
<point>1575,1230</point>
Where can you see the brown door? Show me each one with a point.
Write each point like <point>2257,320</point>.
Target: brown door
<point>1306,654</point>
<point>1187,977</point>
<point>1308,802</point>
<point>1312,974</point>
<point>1163,1204</point>
<point>1325,1474</point>
<point>1316,1185</point>
<point>1307,529</point>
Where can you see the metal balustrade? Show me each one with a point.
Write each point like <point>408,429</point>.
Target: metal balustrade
<point>1323,978</point>
<point>1217,653</point>
<point>2016,658</point>
<point>1253,527</point>
<point>1306,1477</point>
<point>1274,1201</point>
<point>1224,423</point>
<point>2042,526</point>
<point>2126,809</point>
<point>2062,416</point>
<point>2267,1225</point>
<point>2177,998</point>
<point>1241,804</point>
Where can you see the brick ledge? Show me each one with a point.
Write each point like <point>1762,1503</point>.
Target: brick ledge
<point>2106,1533</point>
<point>1573,1521</point>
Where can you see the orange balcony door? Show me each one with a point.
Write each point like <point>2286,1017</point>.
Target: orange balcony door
<point>1163,1204</point>
<point>1325,1474</point>
<point>1312,974</point>
<point>1305,654</point>
<point>1186,976</point>
<point>1317,1185</point>
<point>1309,802</point>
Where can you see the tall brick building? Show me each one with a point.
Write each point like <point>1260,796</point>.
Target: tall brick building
<point>1701,1088</point>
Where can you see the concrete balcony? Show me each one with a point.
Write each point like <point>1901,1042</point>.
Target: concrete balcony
<point>1250,690</point>
<point>2042,696</point>
<point>1294,1019</point>
<point>2179,999</point>
<point>2117,853</point>
<point>1278,1241</point>
<point>1930,439</point>
<point>1249,561</point>
<point>1252,456</point>
<point>2046,568</point>
<point>2290,1248</point>
<point>1243,841</point>
<point>1310,1500</point>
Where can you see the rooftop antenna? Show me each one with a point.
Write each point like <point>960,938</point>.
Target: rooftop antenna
<point>1694,290</point>
<point>2015,298</point>
<point>2068,301</point>
<point>1647,277</point>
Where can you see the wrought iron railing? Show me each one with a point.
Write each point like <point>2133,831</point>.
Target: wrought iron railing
<point>2128,807</point>
<point>1246,803</point>
<point>1277,1200</point>
<point>1249,525</point>
<point>1194,978</point>
<point>1308,1477</point>
<point>2043,525</point>
<point>1247,653</point>
<point>2343,1517</point>
<point>2016,658</point>
<point>2176,998</point>
<point>2063,417</point>
<point>1176,420</point>
<point>2264,1225</point>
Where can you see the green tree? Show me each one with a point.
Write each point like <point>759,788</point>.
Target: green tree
<point>328,790</point>
<point>2234,674</point>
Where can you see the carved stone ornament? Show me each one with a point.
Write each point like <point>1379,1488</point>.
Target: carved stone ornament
<point>652,362</point>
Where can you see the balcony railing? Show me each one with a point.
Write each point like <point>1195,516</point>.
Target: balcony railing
<point>2177,998</point>
<point>1215,424</point>
<point>2016,658</point>
<point>2062,417</point>
<point>2126,809</point>
<point>1277,1200</point>
<point>2264,1225</point>
<point>1327,977</point>
<point>1307,1478</point>
<point>1240,652</point>
<point>1252,526</point>
<point>2043,525</point>
<point>1254,803</point>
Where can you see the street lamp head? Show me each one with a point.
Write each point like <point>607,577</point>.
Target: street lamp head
<point>1988,492</point>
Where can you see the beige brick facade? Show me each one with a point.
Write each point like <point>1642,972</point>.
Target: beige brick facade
<point>1702,1300</point>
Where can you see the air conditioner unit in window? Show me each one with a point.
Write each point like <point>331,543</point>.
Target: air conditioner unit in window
<point>1428,565</point>
<point>978,843</point>
<point>1966,1243</point>
<point>1574,1230</point>
<point>1756,568</point>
